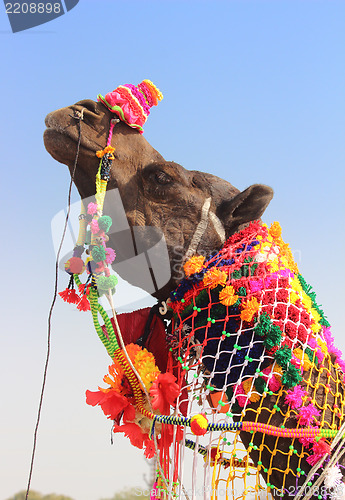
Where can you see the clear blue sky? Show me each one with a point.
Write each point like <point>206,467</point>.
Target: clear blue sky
<point>253,92</point>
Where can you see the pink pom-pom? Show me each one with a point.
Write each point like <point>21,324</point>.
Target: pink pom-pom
<point>256,285</point>
<point>110,255</point>
<point>274,384</point>
<point>307,413</point>
<point>92,208</point>
<point>94,226</point>
<point>306,441</point>
<point>294,396</point>
<point>241,395</point>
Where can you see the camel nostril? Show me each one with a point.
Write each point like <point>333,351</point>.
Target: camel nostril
<point>89,105</point>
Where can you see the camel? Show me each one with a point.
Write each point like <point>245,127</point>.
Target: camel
<point>164,195</point>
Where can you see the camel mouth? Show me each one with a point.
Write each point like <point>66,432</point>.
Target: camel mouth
<point>61,138</point>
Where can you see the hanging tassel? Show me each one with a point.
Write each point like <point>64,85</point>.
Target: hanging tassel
<point>65,295</point>
<point>84,304</point>
<point>74,298</point>
<point>69,295</point>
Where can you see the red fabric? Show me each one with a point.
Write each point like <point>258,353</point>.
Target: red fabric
<point>132,326</point>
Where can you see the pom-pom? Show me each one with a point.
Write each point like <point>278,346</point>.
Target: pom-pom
<point>198,424</point>
<point>333,477</point>
<point>194,265</point>
<point>75,265</point>
<point>275,230</point>
<point>105,283</point>
<point>215,277</point>
<point>264,325</point>
<point>94,226</point>
<point>83,304</point>
<point>78,251</point>
<point>105,223</point>
<point>92,208</point>
<point>307,414</point>
<point>292,376</point>
<point>98,254</point>
<point>110,255</point>
<point>283,356</point>
<point>227,296</point>
<point>250,309</point>
<point>294,397</point>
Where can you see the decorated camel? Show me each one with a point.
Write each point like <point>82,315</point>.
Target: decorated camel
<point>244,371</point>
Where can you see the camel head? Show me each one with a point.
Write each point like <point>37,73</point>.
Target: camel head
<point>190,211</point>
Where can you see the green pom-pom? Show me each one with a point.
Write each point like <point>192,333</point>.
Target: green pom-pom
<point>242,291</point>
<point>105,283</point>
<point>283,356</point>
<point>98,254</point>
<point>264,325</point>
<point>104,223</point>
<point>236,275</point>
<point>292,376</point>
<point>273,337</point>
<point>260,385</point>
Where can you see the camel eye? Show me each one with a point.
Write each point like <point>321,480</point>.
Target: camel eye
<point>162,178</point>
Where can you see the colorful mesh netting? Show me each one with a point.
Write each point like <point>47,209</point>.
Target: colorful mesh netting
<point>251,344</point>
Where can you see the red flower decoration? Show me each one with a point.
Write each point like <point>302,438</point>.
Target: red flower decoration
<point>112,404</point>
<point>133,432</point>
<point>163,392</point>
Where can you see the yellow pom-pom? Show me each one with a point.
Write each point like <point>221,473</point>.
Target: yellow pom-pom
<point>198,424</point>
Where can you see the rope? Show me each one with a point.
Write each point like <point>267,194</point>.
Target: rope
<point>79,117</point>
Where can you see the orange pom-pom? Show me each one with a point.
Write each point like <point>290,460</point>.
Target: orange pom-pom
<point>194,265</point>
<point>275,230</point>
<point>198,424</point>
<point>227,296</point>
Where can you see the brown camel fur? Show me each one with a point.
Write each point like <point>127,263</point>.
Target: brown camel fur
<point>169,198</point>
<point>154,192</point>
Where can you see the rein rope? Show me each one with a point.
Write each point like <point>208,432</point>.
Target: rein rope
<point>79,117</point>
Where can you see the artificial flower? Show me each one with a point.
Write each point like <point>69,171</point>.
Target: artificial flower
<point>164,392</point>
<point>133,432</point>
<point>111,402</point>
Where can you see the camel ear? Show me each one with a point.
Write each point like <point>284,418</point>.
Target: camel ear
<point>245,207</point>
